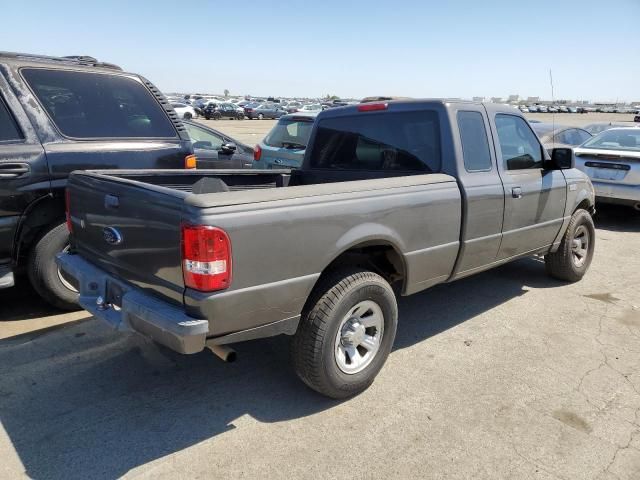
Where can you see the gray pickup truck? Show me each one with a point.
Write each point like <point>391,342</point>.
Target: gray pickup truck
<point>392,198</point>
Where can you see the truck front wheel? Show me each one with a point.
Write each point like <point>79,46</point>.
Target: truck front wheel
<point>346,333</point>
<point>45,276</point>
<point>573,258</point>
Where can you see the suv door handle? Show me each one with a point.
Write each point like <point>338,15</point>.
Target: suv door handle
<point>13,170</point>
<point>516,192</point>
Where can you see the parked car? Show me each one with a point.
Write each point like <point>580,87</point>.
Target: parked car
<point>598,127</point>
<point>58,115</point>
<point>553,135</point>
<point>612,161</point>
<point>523,109</point>
<point>311,108</point>
<point>285,144</point>
<point>264,111</point>
<point>563,109</point>
<point>552,109</point>
<point>542,109</point>
<point>218,111</point>
<point>213,149</point>
<point>184,111</point>
<point>320,252</point>
<point>292,107</point>
<point>533,108</point>
<point>637,118</point>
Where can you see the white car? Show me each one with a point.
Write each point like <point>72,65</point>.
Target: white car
<point>184,111</point>
<point>312,108</point>
<point>612,161</point>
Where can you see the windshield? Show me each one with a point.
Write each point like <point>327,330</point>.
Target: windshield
<point>290,133</point>
<point>617,139</point>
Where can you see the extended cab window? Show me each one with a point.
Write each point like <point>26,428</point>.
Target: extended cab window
<point>402,141</point>
<point>519,145</point>
<point>98,105</point>
<point>475,146</point>
<point>9,130</point>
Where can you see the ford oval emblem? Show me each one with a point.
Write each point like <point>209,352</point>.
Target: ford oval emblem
<point>112,236</point>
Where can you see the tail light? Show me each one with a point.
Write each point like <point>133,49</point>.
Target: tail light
<point>67,209</point>
<point>190,161</point>
<point>257,153</point>
<point>206,258</point>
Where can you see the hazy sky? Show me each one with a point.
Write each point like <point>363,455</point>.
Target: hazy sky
<point>455,48</point>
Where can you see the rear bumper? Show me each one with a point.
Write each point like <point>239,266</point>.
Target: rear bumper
<point>137,311</point>
<point>616,191</point>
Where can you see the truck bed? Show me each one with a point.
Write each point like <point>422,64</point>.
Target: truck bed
<point>284,231</point>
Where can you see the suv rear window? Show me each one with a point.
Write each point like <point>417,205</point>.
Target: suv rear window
<point>402,141</point>
<point>290,133</point>
<point>97,105</point>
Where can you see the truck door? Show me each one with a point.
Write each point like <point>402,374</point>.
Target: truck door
<point>23,176</point>
<point>534,197</point>
<point>482,191</point>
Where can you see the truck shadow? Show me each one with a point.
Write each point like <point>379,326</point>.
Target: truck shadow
<point>617,218</point>
<point>86,402</point>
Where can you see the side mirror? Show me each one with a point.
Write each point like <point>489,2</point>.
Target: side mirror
<point>228,147</point>
<point>561,159</point>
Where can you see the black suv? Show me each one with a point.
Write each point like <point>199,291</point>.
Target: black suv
<point>222,110</point>
<point>59,114</point>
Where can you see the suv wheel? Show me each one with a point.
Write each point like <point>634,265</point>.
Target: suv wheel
<point>260,116</point>
<point>574,255</point>
<point>45,276</point>
<point>217,116</point>
<point>240,116</point>
<point>346,333</point>
<point>187,116</point>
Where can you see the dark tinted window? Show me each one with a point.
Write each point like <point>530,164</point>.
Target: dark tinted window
<point>519,146</point>
<point>404,141</point>
<point>8,128</point>
<point>95,105</point>
<point>475,146</point>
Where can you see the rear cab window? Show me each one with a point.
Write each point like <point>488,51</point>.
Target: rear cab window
<point>9,130</point>
<point>400,141</point>
<point>98,105</point>
<point>475,146</point>
<point>290,133</point>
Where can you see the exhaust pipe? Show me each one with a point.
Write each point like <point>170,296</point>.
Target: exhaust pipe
<point>226,354</point>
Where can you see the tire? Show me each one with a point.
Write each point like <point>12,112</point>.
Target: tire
<point>217,116</point>
<point>44,273</point>
<point>207,117</point>
<point>240,116</point>
<point>260,116</point>
<point>319,354</point>
<point>567,263</point>
<point>187,115</point>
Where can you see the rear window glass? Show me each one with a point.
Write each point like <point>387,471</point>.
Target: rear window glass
<point>290,133</point>
<point>402,141</point>
<point>95,105</point>
<point>8,129</point>
<point>475,147</point>
<point>627,139</point>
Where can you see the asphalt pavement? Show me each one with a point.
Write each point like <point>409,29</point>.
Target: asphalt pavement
<point>505,375</point>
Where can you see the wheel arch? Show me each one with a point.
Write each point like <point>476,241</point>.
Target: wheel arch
<point>40,215</point>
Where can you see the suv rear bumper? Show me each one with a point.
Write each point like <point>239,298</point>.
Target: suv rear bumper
<point>136,311</point>
<point>617,191</point>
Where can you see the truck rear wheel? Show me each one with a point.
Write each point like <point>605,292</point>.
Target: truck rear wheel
<point>573,258</point>
<point>45,276</point>
<point>346,333</point>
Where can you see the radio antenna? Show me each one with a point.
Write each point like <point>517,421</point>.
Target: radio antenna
<point>553,115</point>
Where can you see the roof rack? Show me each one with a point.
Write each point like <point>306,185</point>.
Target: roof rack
<point>71,59</point>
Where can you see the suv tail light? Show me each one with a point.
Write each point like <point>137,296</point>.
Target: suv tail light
<point>372,107</point>
<point>257,153</point>
<point>206,258</point>
<point>67,209</point>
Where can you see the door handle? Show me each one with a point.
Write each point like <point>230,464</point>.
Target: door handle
<point>13,170</point>
<point>516,192</point>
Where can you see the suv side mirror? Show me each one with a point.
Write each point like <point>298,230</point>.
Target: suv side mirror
<point>561,159</point>
<point>228,147</point>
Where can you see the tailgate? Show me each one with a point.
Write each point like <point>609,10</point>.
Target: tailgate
<point>129,230</point>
